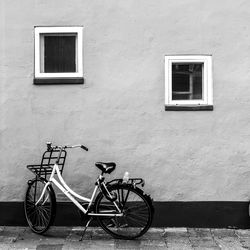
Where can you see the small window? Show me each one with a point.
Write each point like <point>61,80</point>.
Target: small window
<point>188,83</point>
<point>58,55</point>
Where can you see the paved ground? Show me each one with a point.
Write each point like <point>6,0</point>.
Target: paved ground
<point>164,238</point>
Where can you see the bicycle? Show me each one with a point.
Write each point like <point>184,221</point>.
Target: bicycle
<point>121,208</point>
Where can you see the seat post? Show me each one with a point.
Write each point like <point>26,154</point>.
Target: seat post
<point>100,179</point>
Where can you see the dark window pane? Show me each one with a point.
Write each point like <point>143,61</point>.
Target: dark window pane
<point>187,81</point>
<point>59,54</point>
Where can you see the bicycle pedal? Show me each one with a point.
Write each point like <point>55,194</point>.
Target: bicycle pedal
<point>82,214</point>
<point>113,223</point>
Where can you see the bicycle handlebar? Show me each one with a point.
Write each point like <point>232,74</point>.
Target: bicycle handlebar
<point>50,147</point>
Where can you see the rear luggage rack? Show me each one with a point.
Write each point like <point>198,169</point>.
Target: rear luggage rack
<point>48,160</point>
<point>131,181</point>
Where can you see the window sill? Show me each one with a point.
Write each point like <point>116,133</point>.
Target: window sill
<point>189,107</point>
<point>44,81</point>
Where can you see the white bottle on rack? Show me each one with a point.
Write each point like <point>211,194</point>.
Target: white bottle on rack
<point>125,177</point>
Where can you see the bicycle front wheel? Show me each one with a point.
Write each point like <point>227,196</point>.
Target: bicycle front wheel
<point>39,216</point>
<point>136,208</point>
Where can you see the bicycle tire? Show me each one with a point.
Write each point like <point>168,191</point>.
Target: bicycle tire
<point>137,208</point>
<point>41,216</point>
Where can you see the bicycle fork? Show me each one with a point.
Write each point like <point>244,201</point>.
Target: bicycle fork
<point>43,192</point>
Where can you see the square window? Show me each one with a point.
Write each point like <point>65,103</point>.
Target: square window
<point>188,82</point>
<point>58,55</point>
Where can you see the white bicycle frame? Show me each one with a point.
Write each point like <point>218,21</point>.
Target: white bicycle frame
<point>72,195</point>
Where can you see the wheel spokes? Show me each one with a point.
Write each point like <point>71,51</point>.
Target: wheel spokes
<point>136,210</point>
<point>38,215</point>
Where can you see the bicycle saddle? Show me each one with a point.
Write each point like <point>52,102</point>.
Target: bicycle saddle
<point>106,167</point>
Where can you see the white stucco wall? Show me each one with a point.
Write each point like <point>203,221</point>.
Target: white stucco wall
<point>119,111</point>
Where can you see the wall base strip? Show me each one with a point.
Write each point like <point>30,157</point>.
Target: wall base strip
<point>211,214</point>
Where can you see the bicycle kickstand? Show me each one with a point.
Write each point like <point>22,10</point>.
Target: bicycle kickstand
<point>85,228</point>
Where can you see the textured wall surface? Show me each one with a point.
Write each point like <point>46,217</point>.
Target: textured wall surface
<point>119,111</point>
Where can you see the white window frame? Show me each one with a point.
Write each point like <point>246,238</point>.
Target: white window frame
<point>39,31</point>
<point>207,88</point>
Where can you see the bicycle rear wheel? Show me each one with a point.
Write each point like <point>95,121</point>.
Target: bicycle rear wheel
<point>136,208</point>
<point>39,216</point>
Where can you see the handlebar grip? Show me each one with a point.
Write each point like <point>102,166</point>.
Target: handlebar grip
<point>49,146</point>
<point>85,148</point>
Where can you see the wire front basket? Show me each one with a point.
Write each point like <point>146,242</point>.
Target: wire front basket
<point>48,160</point>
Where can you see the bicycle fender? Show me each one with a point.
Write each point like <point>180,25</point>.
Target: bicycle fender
<point>147,196</point>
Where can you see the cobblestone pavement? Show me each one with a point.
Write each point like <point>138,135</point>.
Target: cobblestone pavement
<point>58,238</point>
